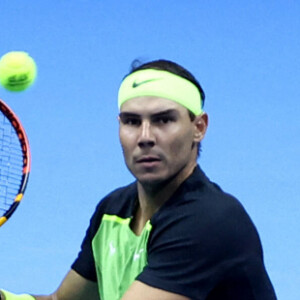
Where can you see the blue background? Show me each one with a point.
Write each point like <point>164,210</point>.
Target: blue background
<point>246,54</point>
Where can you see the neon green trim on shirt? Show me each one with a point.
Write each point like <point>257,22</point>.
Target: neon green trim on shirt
<point>119,254</point>
<point>117,219</point>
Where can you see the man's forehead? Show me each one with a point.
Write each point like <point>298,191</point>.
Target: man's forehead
<point>162,113</point>
<point>150,104</point>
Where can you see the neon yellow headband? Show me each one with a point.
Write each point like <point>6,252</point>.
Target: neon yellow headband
<point>150,82</point>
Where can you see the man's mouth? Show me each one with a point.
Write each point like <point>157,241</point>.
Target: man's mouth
<point>147,160</point>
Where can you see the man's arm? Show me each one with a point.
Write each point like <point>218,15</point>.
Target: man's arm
<point>139,290</point>
<point>73,287</point>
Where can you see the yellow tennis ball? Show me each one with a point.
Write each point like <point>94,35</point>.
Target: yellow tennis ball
<point>17,71</point>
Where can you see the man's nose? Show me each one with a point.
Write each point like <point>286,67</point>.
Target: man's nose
<point>146,136</point>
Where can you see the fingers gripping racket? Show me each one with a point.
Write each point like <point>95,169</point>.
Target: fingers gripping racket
<point>14,162</point>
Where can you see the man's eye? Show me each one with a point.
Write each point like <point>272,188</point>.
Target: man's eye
<point>163,120</point>
<point>132,121</point>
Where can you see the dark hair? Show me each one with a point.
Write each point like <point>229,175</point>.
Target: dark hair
<point>172,67</point>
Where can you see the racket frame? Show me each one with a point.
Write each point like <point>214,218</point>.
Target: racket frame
<point>19,129</point>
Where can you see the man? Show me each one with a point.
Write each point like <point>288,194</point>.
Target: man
<point>172,234</point>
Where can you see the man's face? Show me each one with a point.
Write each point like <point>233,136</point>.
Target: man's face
<point>157,137</point>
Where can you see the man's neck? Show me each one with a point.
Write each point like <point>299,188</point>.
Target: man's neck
<point>151,197</point>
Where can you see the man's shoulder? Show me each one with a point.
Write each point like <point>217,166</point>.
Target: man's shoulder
<point>119,201</point>
<point>122,192</point>
<point>200,203</point>
<point>200,191</point>
<point>203,215</point>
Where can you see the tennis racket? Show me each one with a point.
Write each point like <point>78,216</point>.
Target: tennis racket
<point>14,162</point>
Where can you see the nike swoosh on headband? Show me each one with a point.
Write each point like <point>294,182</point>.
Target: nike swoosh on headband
<point>136,84</point>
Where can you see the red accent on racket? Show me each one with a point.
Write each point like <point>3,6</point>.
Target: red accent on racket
<point>15,162</point>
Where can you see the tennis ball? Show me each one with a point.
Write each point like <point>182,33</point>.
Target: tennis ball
<point>17,71</point>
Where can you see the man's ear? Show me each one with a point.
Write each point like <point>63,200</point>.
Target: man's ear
<point>201,123</point>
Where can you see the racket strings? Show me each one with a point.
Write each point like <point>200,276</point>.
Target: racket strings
<point>11,163</point>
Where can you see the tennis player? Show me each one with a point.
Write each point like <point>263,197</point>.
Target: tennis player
<point>172,234</point>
